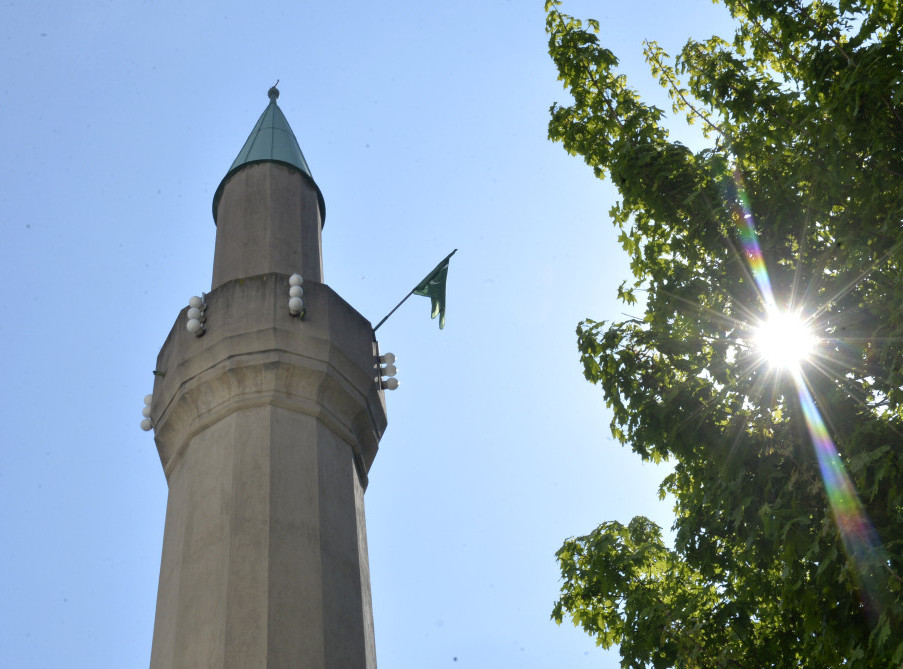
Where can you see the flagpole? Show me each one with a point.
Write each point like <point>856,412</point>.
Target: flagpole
<point>403,300</point>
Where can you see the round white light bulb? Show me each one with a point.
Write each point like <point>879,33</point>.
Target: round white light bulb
<point>295,305</point>
<point>146,424</point>
<point>390,383</point>
<point>387,358</point>
<point>148,399</point>
<point>296,291</point>
<point>295,280</point>
<point>146,412</point>
<point>389,370</point>
<point>195,302</point>
<point>193,325</point>
<point>194,313</point>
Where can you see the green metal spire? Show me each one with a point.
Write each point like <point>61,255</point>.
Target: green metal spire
<point>271,140</point>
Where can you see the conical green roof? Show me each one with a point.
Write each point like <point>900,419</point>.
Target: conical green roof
<point>271,140</point>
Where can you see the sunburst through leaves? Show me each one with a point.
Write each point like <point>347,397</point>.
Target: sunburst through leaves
<point>785,342</point>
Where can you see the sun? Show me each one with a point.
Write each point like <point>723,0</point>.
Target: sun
<point>784,340</point>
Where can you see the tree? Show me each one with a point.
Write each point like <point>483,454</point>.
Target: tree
<point>787,482</point>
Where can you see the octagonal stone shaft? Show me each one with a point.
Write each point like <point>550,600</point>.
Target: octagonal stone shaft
<point>266,428</point>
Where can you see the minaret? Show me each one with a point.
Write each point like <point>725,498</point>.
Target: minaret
<point>267,421</point>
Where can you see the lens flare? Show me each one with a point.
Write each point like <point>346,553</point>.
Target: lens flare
<point>860,540</point>
<point>750,240</point>
<point>785,342</point>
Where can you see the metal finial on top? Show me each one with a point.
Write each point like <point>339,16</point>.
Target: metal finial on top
<point>273,93</point>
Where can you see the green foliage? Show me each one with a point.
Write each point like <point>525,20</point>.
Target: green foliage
<point>802,109</point>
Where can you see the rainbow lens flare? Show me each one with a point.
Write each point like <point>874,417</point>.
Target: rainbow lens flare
<point>860,540</point>
<point>750,240</point>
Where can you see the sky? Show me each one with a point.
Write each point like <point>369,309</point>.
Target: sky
<point>424,125</point>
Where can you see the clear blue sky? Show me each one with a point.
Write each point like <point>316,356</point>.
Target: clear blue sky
<point>425,127</point>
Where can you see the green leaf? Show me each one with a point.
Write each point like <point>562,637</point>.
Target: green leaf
<point>777,553</point>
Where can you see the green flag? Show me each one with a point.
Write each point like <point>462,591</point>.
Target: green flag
<point>433,287</point>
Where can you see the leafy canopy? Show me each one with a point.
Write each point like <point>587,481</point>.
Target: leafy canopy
<point>802,110</point>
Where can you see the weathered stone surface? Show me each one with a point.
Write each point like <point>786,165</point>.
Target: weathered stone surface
<point>269,221</point>
<point>266,427</point>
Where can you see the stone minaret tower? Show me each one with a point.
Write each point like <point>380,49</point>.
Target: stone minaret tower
<point>266,424</point>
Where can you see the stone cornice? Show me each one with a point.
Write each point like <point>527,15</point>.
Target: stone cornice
<point>255,353</point>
